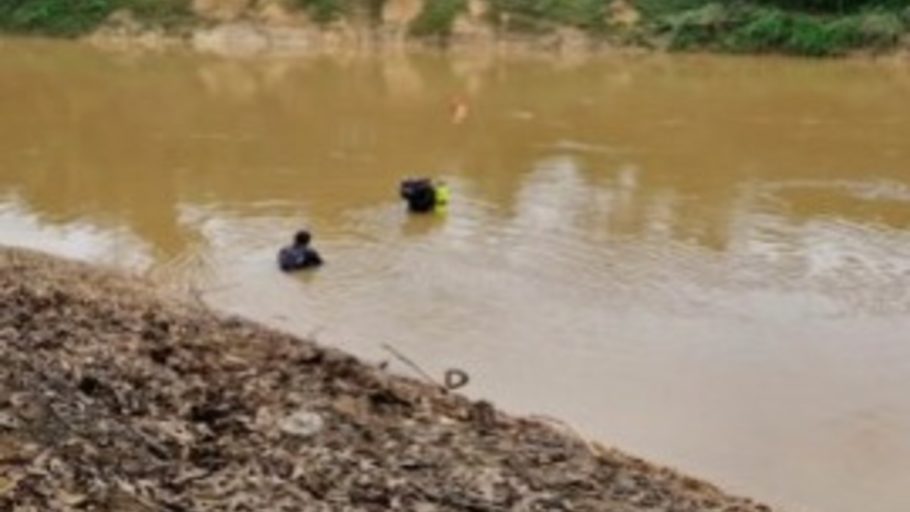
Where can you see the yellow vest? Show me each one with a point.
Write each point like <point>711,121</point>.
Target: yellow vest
<point>442,195</point>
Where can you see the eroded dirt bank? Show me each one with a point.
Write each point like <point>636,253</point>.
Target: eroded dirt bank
<point>116,397</point>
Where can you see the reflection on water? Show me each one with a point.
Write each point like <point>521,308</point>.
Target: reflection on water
<point>704,261</point>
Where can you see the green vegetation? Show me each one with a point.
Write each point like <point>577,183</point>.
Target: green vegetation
<point>323,11</point>
<point>76,17</point>
<point>437,18</point>
<point>546,15</point>
<point>163,13</point>
<point>799,27</point>
<point>328,11</point>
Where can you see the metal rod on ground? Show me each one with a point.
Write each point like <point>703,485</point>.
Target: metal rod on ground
<point>414,366</point>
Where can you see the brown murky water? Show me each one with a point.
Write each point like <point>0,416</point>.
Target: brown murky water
<point>703,261</point>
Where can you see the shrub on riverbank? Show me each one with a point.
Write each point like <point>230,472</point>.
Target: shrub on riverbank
<point>763,27</point>
<point>798,27</point>
<point>75,17</point>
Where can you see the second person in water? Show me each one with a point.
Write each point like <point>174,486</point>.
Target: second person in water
<point>299,255</point>
<point>424,195</point>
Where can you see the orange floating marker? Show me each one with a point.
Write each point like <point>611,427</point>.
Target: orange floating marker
<point>460,109</point>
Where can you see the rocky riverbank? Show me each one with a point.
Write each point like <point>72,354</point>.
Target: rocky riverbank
<point>117,397</point>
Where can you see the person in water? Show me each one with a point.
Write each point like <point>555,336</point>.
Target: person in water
<point>423,195</point>
<point>299,255</point>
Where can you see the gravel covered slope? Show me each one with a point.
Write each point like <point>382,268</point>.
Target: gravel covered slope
<point>115,397</point>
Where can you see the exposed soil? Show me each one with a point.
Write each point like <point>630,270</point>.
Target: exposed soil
<point>116,397</point>
<point>243,28</point>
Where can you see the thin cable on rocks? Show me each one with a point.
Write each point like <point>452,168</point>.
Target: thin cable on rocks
<point>454,378</point>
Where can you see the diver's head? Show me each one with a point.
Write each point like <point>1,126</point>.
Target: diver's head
<point>302,238</point>
<point>412,186</point>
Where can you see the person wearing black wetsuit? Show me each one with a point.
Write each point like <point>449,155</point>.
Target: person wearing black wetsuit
<point>420,193</point>
<point>299,255</point>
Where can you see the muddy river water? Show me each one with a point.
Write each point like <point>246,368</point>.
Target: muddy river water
<point>703,261</point>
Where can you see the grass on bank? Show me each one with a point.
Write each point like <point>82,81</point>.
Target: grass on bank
<point>752,29</point>
<point>808,27</point>
<point>798,27</point>
<point>69,18</point>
